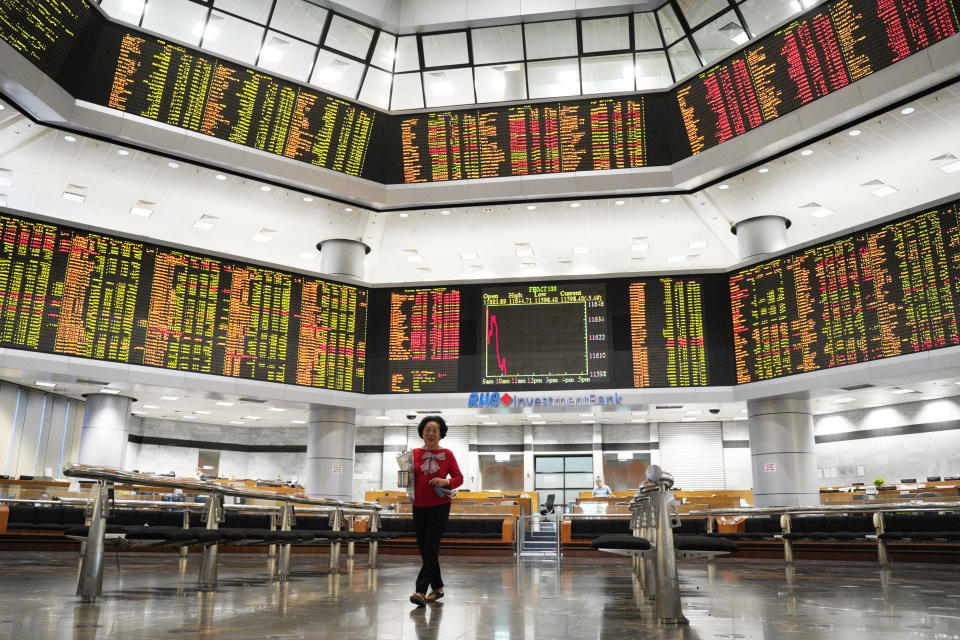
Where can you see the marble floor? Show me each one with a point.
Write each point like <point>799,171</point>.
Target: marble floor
<point>149,596</point>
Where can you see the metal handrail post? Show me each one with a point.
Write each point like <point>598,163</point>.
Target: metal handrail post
<point>286,523</point>
<point>208,561</point>
<point>374,544</point>
<point>90,581</point>
<point>350,527</point>
<point>785,525</point>
<point>335,545</point>
<point>883,557</point>
<point>184,549</point>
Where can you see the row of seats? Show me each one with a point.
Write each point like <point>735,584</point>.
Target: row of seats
<point>456,527</point>
<point>590,528</point>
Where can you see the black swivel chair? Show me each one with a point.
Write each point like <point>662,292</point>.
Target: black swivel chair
<point>547,507</point>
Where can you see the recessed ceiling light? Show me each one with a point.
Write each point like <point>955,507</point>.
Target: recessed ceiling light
<point>574,205</point>
<point>348,209</point>
<point>581,250</point>
<point>189,417</point>
<point>588,422</point>
<point>69,138</point>
<point>205,223</point>
<point>73,197</point>
<point>902,391</point>
<point>698,244</point>
<point>444,213</point>
<point>872,406</point>
<point>620,202</point>
<point>538,422</point>
<point>416,257</point>
<point>854,132</point>
<point>404,215</point>
<point>123,152</point>
<point>381,417</point>
<point>45,384</point>
<point>523,252</point>
<point>171,398</point>
<point>527,265</point>
<point>251,417</point>
<point>637,420</point>
<point>537,415</point>
<point>150,406</point>
<point>173,165</point>
<point>739,418</point>
<point>763,170</point>
<point>585,415</point>
<point>844,400</point>
<point>643,246</point>
<point>236,422</point>
<point>821,212</point>
<point>111,392</point>
<point>531,207</point>
<point>264,235</point>
<point>953,167</point>
<point>143,212</point>
<point>907,110</point>
<point>806,152</point>
<point>220,176</point>
<point>724,186</point>
<point>689,419</point>
<point>307,199</point>
<point>676,258</point>
<point>664,200</point>
<point>639,413</point>
<point>884,191</point>
<point>490,422</point>
<point>276,409</point>
<point>468,255</point>
<point>223,403</point>
<point>309,255</point>
<point>203,412</point>
<point>298,422</point>
<point>265,188</point>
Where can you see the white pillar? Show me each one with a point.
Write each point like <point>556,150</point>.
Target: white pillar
<point>339,257</point>
<point>103,439</point>
<point>597,453</point>
<point>528,470</point>
<point>782,457</point>
<point>783,463</point>
<point>331,442</point>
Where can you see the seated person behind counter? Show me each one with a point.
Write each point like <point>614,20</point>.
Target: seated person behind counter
<point>601,490</point>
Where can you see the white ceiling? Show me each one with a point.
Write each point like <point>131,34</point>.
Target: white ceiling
<point>894,148</point>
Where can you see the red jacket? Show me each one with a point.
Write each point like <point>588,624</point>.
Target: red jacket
<point>436,464</point>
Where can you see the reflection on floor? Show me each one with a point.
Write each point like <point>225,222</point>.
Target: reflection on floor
<point>155,596</point>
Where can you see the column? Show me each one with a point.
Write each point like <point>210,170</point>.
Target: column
<point>331,442</point>
<point>340,257</point>
<point>783,463</point>
<point>103,439</point>
<point>782,458</point>
<point>597,453</point>
<point>528,470</point>
<point>394,443</point>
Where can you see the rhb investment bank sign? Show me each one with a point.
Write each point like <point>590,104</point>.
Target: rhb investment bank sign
<point>489,399</point>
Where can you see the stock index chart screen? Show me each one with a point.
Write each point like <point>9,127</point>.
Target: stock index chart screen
<point>145,76</point>
<point>885,292</point>
<point>545,334</point>
<point>667,337</point>
<point>79,293</point>
<point>820,52</point>
<point>424,341</point>
<point>44,31</point>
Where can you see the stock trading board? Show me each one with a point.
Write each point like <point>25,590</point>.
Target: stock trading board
<point>530,139</point>
<point>424,340</point>
<point>667,333</point>
<point>166,82</point>
<point>44,31</point>
<point>80,293</point>
<point>820,52</point>
<point>545,334</point>
<point>885,292</point>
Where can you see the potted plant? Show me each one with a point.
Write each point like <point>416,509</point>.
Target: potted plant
<point>879,482</point>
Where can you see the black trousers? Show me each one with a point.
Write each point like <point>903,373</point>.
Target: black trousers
<point>430,523</point>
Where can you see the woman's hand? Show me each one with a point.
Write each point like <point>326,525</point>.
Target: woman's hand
<point>440,482</point>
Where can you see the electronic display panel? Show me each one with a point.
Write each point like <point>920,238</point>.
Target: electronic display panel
<point>44,31</point>
<point>528,139</point>
<point>667,336</point>
<point>545,334</point>
<point>424,340</point>
<point>85,294</point>
<point>814,55</point>
<point>152,78</point>
<point>888,291</point>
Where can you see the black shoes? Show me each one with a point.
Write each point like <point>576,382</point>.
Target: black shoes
<point>418,600</point>
<point>434,596</point>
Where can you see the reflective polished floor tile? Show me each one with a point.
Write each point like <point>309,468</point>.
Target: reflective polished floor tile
<point>151,596</point>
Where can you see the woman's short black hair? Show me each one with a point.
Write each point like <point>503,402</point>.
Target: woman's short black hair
<point>440,422</point>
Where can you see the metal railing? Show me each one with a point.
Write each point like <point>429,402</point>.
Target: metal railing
<point>90,582</point>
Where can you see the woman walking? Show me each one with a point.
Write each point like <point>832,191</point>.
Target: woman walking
<point>436,475</point>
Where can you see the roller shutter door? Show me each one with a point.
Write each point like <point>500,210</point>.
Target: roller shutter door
<point>693,453</point>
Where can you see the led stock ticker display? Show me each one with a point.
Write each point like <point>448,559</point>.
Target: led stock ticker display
<point>44,31</point>
<point>530,139</point>
<point>85,294</point>
<point>889,291</point>
<point>424,342</point>
<point>825,50</point>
